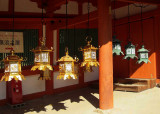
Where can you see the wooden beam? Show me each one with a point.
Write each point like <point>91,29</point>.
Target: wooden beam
<point>157,2</point>
<point>7,14</point>
<point>75,21</point>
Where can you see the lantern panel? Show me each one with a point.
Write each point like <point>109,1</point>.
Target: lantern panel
<point>87,54</point>
<point>13,67</point>
<point>133,51</point>
<point>61,67</point>
<point>146,55</point>
<point>44,57</point>
<point>142,55</point>
<point>118,46</point>
<point>129,51</point>
<point>37,57</point>
<point>68,66</point>
<point>93,54</point>
<point>6,68</point>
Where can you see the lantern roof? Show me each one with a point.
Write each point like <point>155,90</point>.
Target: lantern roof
<point>66,58</point>
<point>115,40</point>
<point>89,46</point>
<point>13,57</point>
<point>143,49</point>
<point>42,48</point>
<point>129,45</point>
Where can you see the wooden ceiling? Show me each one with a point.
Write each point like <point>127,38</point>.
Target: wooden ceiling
<point>52,5</point>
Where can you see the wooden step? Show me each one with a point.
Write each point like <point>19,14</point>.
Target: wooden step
<point>149,82</point>
<point>130,87</point>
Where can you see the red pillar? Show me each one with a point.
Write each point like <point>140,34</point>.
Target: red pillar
<point>105,54</point>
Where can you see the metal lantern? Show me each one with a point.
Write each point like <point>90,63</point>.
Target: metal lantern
<point>66,67</point>
<point>130,51</point>
<point>89,56</point>
<point>143,55</point>
<point>116,46</point>
<point>42,58</point>
<point>12,67</point>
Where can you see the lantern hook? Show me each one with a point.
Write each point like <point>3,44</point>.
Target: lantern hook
<point>87,39</point>
<point>66,50</point>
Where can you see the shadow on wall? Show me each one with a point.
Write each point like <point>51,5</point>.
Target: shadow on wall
<point>55,102</point>
<point>129,68</point>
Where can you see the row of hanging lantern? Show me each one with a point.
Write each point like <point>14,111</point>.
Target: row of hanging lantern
<point>67,63</point>
<point>42,58</point>
<point>130,49</point>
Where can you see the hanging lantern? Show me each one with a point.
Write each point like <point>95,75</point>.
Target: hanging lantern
<point>116,46</point>
<point>42,58</point>
<point>143,55</point>
<point>130,51</point>
<point>89,56</point>
<point>66,67</point>
<point>12,67</point>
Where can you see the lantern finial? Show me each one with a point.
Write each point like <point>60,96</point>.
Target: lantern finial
<point>12,52</point>
<point>66,49</point>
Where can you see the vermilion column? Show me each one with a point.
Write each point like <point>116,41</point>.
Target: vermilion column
<point>105,54</point>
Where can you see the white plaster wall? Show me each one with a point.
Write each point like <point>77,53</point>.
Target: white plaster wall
<point>26,6</point>
<point>4,5</point>
<point>32,85</point>
<point>63,83</point>
<point>72,8</point>
<point>2,90</point>
<point>85,8</point>
<point>91,76</point>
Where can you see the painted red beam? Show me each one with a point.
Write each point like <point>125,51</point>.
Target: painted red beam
<point>76,20</point>
<point>157,2</point>
<point>4,14</point>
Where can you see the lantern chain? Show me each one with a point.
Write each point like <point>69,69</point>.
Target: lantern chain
<point>67,25</point>
<point>74,40</point>
<point>142,22</point>
<point>141,6</point>
<point>114,16</point>
<point>42,20</point>
<point>88,17</point>
<point>13,25</point>
<point>129,34</point>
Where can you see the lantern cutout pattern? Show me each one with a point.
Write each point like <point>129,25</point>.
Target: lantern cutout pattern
<point>143,55</point>
<point>12,67</point>
<point>66,67</point>
<point>42,58</point>
<point>116,46</point>
<point>130,51</point>
<point>89,56</point>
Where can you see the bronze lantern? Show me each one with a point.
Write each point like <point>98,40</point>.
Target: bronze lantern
<point>12,67</point>
<point>42,58</point>
<point>66,67</point>
<point>143,55</point>
<point>89,56</point>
